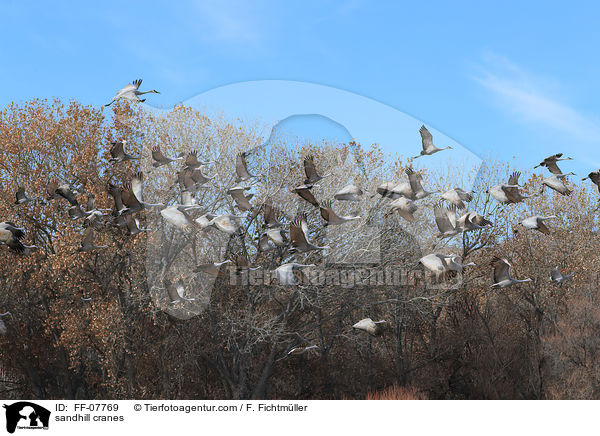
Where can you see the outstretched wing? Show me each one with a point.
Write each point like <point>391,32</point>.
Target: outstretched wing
<point>137,184</point>
<point>542,227</point>
<point>311,170</point>
<point>117,150</point>
<point>128,197</point>
<point>512,193</point>
<point>241,168</point>
<point>501,269</point>
<point>271,214</point>
<point>68,195</point>
<point>514,178</point>
<point>297,235</point>
<point>595,178</point>
<point>464,195</point>
<point>158,156</point>
<point>238,195</point>
<point>326,212</point>
<point>442,219</point>
<point>304,192</point>
<point>20,194</point>
<point>552,166</point>
<point>192,160</point>
<point>51,187</point>
<point>426,138</point>
<point>478,220</point>
<point>415,180</point>
<point>115,193</point>
<point>88,237</point>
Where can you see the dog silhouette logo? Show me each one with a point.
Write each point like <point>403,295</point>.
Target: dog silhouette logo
<point>26,415</point>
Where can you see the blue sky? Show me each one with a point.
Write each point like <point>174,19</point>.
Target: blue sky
<point>505,80</point>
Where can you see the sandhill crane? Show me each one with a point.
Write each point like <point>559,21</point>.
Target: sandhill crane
<point>440,264</point>
<point>11,235</point>
<point>331,218</point>
<point>188,201</point>
<point>557,277</point>
<point>177,216</point>
<point>118,208</point>
<point>21,196</point>
<point>192,180</point>
<point>550,163</point>
<point>557,182</point>
<point>61,191</point>
<point>131,202</point>
<point>241,168</point>
<point>76,212</point>
<point>241,200</point>
<point>90,206</point>
<point>227,223</point>
<point>87,243</point>
<point>427,143</point>
<point>502,277</point>
<point>204,222</point>
<point>457,197</point>
<point>445,218</point>
<point>304,192</point>
<point>117,151</point>
<point>349,193</point>
<point>297,351</point>
<point>186,183</point>
<point>132,194</point>
<point>594,176</point>
<point>3,329</point>
<point>264,243</point>
<point>160,159</point>
<point>132,92</point>
<point>271,216</point>
<point>133,226</point>
<point>299,237</point>
<point>471,221</point>
<point>507,193</point>
<point>176,291</point>
<point>310,170</point>
<point>94,219</point>
<point>373,328</point>
<point>199,177</point>
<point>416,185</point>
<point>536,222</point>
<point>393,190</point>
<point>286,273</point>
<point>406,208</point>
<point>92,214</point>
<point>212,268</point>
<point>278,236</point>
<point>191,161</point>
<point>455,265</point>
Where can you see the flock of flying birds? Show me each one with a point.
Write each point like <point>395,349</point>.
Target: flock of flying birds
<point>128,200</point>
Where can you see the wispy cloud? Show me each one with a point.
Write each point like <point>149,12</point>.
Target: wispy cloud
<point>531,99</point>
<point>236,21</point>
